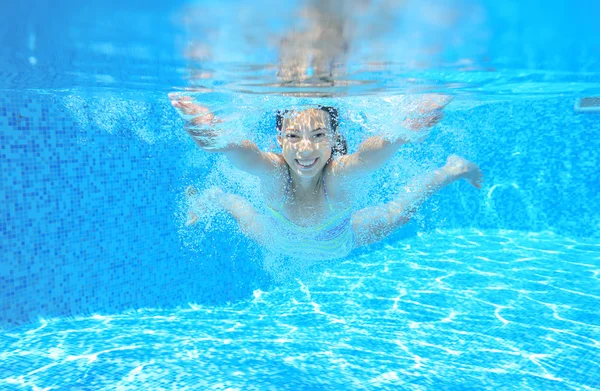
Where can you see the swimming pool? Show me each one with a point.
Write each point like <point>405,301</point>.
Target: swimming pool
<point>104,287</point>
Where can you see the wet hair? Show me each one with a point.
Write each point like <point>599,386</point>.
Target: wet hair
<point>340,146</point>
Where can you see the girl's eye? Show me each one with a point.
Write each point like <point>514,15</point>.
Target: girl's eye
<point>290,135</point>
<point>319,135</point>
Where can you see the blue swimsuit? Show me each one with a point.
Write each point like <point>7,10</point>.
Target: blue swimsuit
<point>329,240</point>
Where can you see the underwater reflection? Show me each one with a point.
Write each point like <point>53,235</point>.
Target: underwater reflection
<point>326,48</point>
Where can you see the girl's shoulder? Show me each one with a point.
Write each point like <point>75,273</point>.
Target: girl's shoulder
<point>339,189</point>
<point>274,186</point>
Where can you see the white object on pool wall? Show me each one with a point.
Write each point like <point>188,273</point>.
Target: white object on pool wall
<point>588,105</point>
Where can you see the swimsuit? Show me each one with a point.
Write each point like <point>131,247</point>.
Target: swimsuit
<point>329,240</point>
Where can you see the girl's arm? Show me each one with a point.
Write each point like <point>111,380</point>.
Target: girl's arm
<point>372,154</point>
<point>244,155</point>
<point>375,151</point>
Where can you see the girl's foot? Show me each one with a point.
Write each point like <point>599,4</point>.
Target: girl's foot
<point>231,203</point>
<point>462,168</point>
<point>190,194</point>
<point>217,196</point>
<point>206,203</point>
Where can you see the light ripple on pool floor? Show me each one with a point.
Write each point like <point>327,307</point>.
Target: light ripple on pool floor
<point>465,310</point>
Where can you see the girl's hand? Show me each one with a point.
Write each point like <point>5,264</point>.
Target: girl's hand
<point>192,113</point>
<point>426,115</point>
<point>199,121</point>
<point>423,121</point>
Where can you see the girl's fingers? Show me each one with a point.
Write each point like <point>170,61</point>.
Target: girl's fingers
<point>191,112</point>
<point>433,102</point>
<point>190,108</point>
<point>176,96</point>
<point>434,117</point>
<point>205,119</point>
<point>203,109</point>
<point>197,109</point>
<point>185,103</point>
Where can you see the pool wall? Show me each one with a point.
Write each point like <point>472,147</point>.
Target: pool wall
<point>91,205</point>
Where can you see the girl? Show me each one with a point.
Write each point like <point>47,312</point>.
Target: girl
<point>309,186</point>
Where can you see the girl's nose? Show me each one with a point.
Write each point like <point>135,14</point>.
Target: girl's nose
<point>305,145</point>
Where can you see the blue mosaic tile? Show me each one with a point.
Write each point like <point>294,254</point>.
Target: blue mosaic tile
<point>85,227</point>
<point>87,218</point>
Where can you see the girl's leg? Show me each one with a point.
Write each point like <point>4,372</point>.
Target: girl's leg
<point>249,220</point>
<point>372,224</point>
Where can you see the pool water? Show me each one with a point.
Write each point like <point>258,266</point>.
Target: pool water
<point>455,310</point>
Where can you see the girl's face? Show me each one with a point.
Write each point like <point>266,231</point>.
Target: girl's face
<point>306,141</point>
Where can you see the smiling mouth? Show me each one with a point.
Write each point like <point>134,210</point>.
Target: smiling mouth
<point>307,163</point>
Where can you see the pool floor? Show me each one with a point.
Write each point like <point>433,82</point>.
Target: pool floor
<point>454,310</point>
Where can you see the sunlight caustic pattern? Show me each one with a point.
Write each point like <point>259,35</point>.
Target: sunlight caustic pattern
<point>488,310</point>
